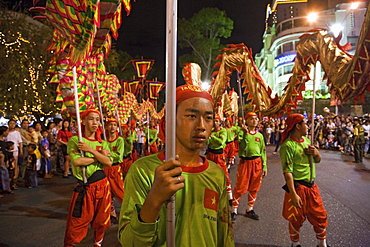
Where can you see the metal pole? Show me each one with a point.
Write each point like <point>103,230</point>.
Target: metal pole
<point>313,118</point>
<point>100,109</point>
<point>171,54</point>
<point>78,118</point>
<point>119,122</point>
<point>240,94</point>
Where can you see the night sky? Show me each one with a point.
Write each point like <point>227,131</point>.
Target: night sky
<point>143,32</point>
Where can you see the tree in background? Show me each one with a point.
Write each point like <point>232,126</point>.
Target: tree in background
<point>202,33</point>
<point>24,83</point>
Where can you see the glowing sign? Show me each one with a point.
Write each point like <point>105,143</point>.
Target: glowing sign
<point>287,58</point>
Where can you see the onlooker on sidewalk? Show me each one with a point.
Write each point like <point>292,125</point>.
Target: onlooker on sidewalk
<point>16,138</point>
<point>31,171</point>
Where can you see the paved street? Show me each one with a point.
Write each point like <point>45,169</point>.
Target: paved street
<point>36,217</point>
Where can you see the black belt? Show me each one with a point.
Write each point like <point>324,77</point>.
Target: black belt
<point>127,156</point>
<point>216,151</point>
<point>115,164</point>
<point>229,142</point>
<point>81,190</point>
<point>250,158</point>
<point>296,182</point>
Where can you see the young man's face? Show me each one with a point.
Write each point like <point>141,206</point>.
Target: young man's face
<point>194,122</point>
<point>44,134</point>
<point>252,121</point>
<point>38,126</point>
<point>216,123</point>
<point>302,128</point>
<point>92,121</point>
<point>112,127</point>
<point>25,124</point>
<point>11,124</point>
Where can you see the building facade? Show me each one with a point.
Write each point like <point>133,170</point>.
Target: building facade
<point>287,20</point>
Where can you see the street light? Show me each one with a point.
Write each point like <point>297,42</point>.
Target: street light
<point>336,29</point>
<point>354,5</point>
<point>312,17</point>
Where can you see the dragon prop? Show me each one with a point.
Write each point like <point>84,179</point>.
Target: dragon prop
<point>347,76</point>
<point>239,57</point>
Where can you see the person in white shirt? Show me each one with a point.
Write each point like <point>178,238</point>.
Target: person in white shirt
<point>140,141</point>
<point>15,137</point>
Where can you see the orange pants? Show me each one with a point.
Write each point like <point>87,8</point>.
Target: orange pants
<point>312,209</point>
<point>236,147</point>
<point>126,164</point>
<point>219,159</point>
<point>133,155</point>
<point>115,178</point>
<point>95,210</point>
<point>152,149</point>
<point>229,152</point>
<point>248,179</point>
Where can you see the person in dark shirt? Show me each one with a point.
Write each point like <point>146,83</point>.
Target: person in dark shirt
<point>31,173</point>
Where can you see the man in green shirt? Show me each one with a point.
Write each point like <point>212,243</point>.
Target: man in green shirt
<point>114,173</point>
<point>151,135</point>
<point>252,167</point>
<point>90,200</point>
<point>202,215</point>
<point>302,198</point>
<point>358,140</point>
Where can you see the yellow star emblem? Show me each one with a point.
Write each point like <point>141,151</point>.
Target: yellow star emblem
<point>213,200</point>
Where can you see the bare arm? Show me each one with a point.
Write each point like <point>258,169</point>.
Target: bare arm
<point>295,199</point>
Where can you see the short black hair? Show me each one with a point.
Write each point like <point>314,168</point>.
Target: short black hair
<point>9,144</point>
<point>3,129</point>
<point>33,146</point>
<point>24,120</point>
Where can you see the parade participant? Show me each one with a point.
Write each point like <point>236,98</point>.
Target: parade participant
<point>252,167</point>
<point>90,200</point>
<point>202,217</point>
<point>215,152</point>
<point>358,140</point>
<point>151,136</point>
<point>134,139</point>
<point>127,159</point>
<point>16,138</point>
<point>229,149</point>
<point>114,172</point>
<point>64,134</point>
<point>302,198</point>
<point>31,170</point>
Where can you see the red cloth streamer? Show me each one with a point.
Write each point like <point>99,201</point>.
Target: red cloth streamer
<point>291,121</point>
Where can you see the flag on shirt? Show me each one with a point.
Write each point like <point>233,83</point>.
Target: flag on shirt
<point>211,199</point>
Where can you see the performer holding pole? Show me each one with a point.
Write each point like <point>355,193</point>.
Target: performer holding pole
<point>91,196</point>
<point>152,180</point>
<point>302,198</point>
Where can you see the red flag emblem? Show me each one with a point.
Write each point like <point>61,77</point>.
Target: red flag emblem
<point>211,199</point>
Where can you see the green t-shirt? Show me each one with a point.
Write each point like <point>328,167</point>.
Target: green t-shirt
<point>217,139</point>
<point>201,207</point>
<point>252,144</point>
<point>294,159</point>
<point>128,145</point>
<point>231,133</point>
<point>116,148</point>
<point>152,135</point>
<point>75,153</point>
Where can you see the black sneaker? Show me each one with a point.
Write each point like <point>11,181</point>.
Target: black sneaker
<point>251,214</point>
<point>233,217</point>
<point>297,245</point>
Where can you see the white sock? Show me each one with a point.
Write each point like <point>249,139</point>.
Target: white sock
<point>249,209</point>
<point>321,242</point>
<point>295,244</point>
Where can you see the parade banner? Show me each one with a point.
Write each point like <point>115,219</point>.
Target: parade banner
<point>154,88</point>
<point>133,86</point>
<point>142,67</point>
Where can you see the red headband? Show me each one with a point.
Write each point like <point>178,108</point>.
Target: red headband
<point>112,120</point>
<point>185,92</point>
<point>291,121</point>
<point>250,114</point>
